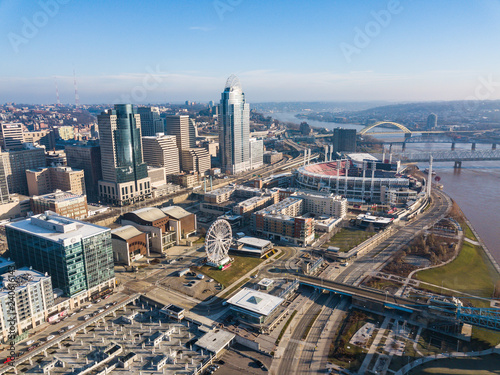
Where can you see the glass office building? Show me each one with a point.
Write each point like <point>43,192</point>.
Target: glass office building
<point>234,125</point>
<point>77,255</point>
<point>124,173</point>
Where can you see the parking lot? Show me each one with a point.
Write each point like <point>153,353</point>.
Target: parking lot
<point>132,336</point>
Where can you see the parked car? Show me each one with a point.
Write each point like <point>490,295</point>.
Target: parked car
<point>71,326</point>
<point>50,337</point>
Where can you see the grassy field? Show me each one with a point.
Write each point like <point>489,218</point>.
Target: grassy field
<point>347,238</point>
<point>468,232</point>
<point>240,266</point>
<point>485,365</point>
<point>470,272</point>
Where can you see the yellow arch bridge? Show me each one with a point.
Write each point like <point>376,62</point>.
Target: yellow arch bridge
<point>370,127</point>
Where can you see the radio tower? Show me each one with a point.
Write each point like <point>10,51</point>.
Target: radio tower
<point>77,97</point>
<point>57,92</point>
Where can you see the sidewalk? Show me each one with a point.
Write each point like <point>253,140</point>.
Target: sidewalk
<point>373,348</point>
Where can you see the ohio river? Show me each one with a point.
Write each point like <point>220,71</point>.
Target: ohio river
<point>475,187</point>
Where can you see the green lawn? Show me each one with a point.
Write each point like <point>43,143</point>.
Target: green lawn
<point>485,365</point>
<point>468,232</point>
<point>240,266</point>
<point>470,272</point>
<point>347,238</point>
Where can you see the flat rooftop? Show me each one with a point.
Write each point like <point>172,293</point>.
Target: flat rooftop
<point>57,228</point>
<point>266,282</point>
<point>255,301</point>
<point>254,242</point>
<point>58,196</point>
<point>215,341</point>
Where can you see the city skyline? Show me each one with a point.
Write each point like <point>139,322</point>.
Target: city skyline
<point>371,50</point>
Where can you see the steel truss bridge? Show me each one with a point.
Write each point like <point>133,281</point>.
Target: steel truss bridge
<point>481,317</point>
<point>454,156</point>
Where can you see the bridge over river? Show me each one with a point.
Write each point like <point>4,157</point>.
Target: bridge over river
<point>453,155</point>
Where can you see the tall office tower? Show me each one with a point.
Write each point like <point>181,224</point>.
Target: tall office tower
<point>25,298</point>
<point>77,255</point>
<point>344,140</point>
<point>124,173</point>
<point>46,180</point>
<point>184,129</point>
<point>161,151</point>
<point>17,162</point>
<point>196,160</point>
<point>256,153</point>
<point>150,121</point>
<point>11,136</point>
<point>234,128</point>
<point>86,156</point>
<point>432,121</point>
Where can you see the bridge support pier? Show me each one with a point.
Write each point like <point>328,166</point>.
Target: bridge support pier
<point>453,146</point>
<point>494,146</point>
<point>473,147</point>
<point>403,147</point>
<point>458,164</point>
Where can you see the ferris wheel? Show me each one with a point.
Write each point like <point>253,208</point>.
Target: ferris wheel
<point>217,242</point>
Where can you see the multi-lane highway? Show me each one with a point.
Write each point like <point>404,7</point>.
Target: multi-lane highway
<point>289,361</point>
<point>380,254</point>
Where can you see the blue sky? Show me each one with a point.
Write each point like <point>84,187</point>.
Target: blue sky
<point>175,50</point>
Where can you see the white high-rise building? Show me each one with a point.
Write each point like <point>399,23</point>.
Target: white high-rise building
<point>161,151</point>
<point>11,136</point>
<point>234,128</point>
<point>256,153</point>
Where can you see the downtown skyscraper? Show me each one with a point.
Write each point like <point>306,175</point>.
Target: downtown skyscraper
<point>234,128</point>
<point>124,173</point>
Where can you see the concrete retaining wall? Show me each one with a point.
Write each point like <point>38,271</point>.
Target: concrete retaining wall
<point>248,343</point>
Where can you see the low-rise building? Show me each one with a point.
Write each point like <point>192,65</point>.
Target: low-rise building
<point>157,176</point>
<point>62,203</point>
<point>272,157</point>
<point>153,221</point>
<point>186,180</point>
<point>129,244</point>
<point>220,195</point>
<point>181,221</point>
<point>253,306</point>
<point>215,341</point>
<point>252,246</point>
<point>173,311</point>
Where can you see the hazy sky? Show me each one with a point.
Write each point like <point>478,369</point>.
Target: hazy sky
<point>175,50</point>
